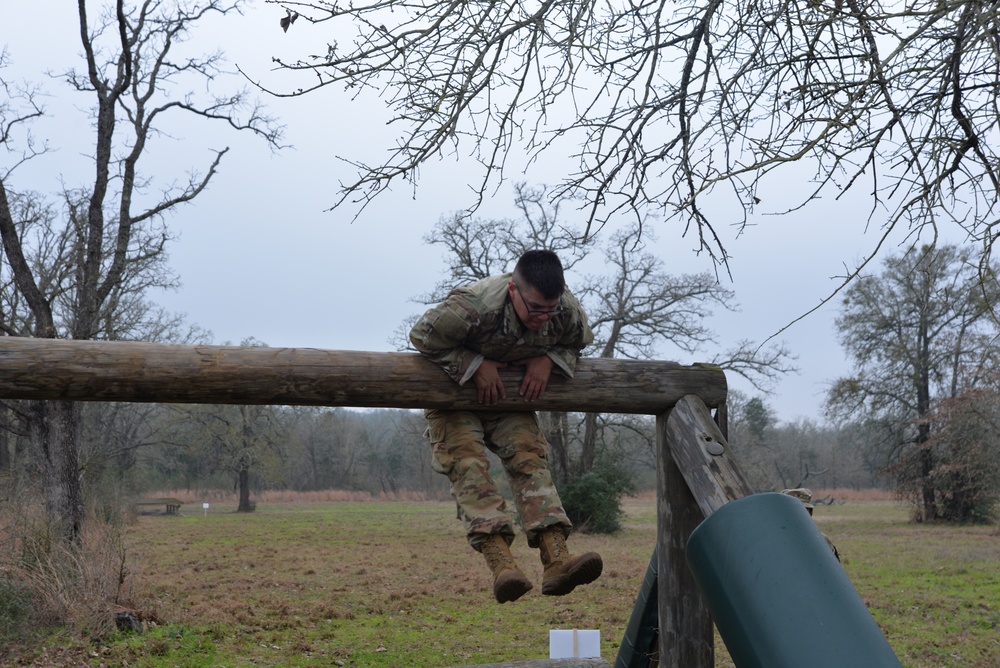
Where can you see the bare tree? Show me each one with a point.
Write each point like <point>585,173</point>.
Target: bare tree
<point>243,438</point>
<point>919,332</point>
<point>634,305</point>
<point>660,103</point>
<point>317,436</point>
<point>84,275</point>
<point>240,443</point>
<point>478,248</point>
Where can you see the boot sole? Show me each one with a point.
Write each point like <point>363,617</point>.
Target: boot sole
<point>587,569</point>
<point>511,589</point>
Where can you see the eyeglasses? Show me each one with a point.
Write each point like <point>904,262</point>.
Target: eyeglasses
<point>536,309</point>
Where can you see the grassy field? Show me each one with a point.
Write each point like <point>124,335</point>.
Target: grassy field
<point>385,584</point>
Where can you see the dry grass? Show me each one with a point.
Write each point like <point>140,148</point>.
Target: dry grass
<point>78,587</point>
<point>352,584</point>
<point>369,584</point>
<point>197,497</point>
<point>845,494</point>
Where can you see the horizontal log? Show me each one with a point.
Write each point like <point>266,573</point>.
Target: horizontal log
<point>59,369</point>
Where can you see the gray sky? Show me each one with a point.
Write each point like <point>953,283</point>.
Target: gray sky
<point>259,256</point>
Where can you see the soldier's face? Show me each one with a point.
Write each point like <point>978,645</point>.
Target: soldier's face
<point>531,306</point>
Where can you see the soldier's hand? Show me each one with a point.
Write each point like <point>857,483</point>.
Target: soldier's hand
<point>536,377</point>
<point>489,387</point>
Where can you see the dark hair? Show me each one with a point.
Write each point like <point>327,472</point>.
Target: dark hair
<point>542,270</point>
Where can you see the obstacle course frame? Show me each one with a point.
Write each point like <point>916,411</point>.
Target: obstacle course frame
<point>696,474</point>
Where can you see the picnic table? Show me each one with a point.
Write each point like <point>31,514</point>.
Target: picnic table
<point>173,506</point>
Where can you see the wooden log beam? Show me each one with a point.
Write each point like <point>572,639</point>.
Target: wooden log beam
<point>153,372</point>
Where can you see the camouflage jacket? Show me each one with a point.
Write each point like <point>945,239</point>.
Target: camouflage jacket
<point>478,321</point>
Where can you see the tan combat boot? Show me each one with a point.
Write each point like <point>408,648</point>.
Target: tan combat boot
<point>509,583</point>
<point>563,572</point>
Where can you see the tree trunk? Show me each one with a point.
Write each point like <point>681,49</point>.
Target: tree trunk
<point>246,459</point>
<point>4,447</point>
<point>55,428</point>
<point>927,487</point>
<point>924,434</point>
<point>588,454</point>
<point>244,482</point>
<point>313,468</point>
<point>558,438</point>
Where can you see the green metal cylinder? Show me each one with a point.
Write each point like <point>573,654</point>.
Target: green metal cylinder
<point>777,594</point>
<point>639,647</point>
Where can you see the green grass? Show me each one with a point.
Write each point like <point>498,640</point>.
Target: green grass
<point>934,590</point>
<point>386,584</point>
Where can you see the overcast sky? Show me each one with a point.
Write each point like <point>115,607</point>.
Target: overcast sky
<point>260,256</point>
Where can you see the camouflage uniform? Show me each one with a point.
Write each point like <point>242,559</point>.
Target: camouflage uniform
<point>474,323</point>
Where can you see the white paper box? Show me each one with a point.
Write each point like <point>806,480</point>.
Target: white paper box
<point>574,644</point>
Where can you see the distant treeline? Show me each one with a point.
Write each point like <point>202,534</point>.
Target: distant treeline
<point>141,447</point>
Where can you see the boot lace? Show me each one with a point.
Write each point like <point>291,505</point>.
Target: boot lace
<point>557,546</point>
<point>495,555</point>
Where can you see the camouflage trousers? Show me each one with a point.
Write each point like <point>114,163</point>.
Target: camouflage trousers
<point>459,440</point>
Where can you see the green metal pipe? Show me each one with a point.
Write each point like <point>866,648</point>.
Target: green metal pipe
<point>777,594</point>
<point>639,648</point>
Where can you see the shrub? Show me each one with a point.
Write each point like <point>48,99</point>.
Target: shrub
<point>955,475</point>
<point>593,501</point>
<point>15,601</point>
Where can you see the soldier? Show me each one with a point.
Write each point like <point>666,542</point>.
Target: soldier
<point>805,496</point>
<point>526,318</point>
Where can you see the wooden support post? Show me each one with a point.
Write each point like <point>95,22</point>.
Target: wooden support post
<point>696,475</point>
<point>687,636</point>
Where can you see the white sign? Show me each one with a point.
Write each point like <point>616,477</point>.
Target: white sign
<point>574,644</point>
